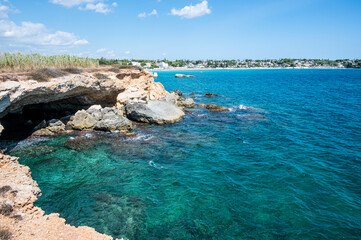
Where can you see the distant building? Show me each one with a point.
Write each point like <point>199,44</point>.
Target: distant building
<point>136,64</point>
<point>163,65</point>
<point>191,65</point>
<point>148,65</point>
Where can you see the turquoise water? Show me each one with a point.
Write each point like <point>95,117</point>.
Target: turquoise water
<point>285,163</point>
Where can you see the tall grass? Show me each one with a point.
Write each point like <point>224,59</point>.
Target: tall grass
<point>19,61</point>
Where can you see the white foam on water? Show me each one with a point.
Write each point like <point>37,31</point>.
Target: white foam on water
<point>88,135</point>
<point>153,164</point>
<point>141,137</point>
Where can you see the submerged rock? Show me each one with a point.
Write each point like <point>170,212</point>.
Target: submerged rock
<point>212,95</point>
<point>158,112</point>
<point>216,108</point>
<point>184,76</point>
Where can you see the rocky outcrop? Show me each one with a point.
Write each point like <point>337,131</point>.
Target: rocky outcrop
<point>54,126</point>
<point>98,118</point>
<point>158,112</point>
<point>216,108</point>
<point>84,88</point>
<point>212,95</point>
<point>23,220</point>
<point>184,76</point>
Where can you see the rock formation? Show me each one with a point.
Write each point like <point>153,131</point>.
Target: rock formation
<point>216,108</point>
<point>159,112</point>
<point>81,89</point>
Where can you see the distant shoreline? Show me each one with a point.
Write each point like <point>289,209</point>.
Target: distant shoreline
<point>260,68</point>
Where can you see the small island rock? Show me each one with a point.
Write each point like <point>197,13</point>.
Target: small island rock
<point>216,108</point>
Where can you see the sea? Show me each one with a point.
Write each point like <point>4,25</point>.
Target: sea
<point>283,163</point>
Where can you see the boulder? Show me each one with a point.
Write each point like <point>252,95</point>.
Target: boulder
<point>158,112</point>
<point>113,123</point>
<point>187,102</point>
<point>83,120</point>
<point>96,117</point>
<point>212,95</point>
<point>216,108</point>
<point>1,129</point>
<point>57,126</point>
<point>171,98</point>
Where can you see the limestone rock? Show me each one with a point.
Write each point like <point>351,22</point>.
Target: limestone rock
<point>57,126</point>
<point>216,108</point>
<point>113,123</point>
<point>187,102</point>
<point>82,89</point>
<point>158,112</point>
<point>96,117</point>
<point>171,98</point>
<point>83,120</point>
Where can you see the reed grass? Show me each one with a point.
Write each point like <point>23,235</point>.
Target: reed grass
<point>19,61</point>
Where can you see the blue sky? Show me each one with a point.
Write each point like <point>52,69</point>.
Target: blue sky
<point>183,29</point>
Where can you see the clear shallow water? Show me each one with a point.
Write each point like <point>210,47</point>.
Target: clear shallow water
<point>285,163</point>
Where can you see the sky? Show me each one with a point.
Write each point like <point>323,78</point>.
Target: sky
<point>183,29</point>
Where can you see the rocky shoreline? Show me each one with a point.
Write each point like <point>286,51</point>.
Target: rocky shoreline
<point>105,99</point>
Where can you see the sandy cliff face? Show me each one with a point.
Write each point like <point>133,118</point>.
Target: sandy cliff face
<point>18,192</point>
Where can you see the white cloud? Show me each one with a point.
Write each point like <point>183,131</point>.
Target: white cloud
<point>95,5</point>
<point>152,13</point>
<point>105,52</point>
<point>72,3</point>
<point>4,11</point>
<point>99,7</point>
<point>101,50</point>
<point>37,34</point>
<point>192,11</point>
<point>127,52</point>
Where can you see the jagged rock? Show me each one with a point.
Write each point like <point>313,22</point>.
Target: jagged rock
<point>187,103</point>
<point>179,93</point>
<point>4,100</point>
<point>158,112</point>
<point>57,126</point>
<point>54,126</point>
<point>216,108</point>
<point>212,95</point>
<point>171,98</point>
<point>83,120</point>
<point>96,117</point>
<point>41,125</point>
<point>113,123</point>
<point>193,94</point>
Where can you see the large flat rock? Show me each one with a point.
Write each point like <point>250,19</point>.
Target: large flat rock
<point>158,112</point>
